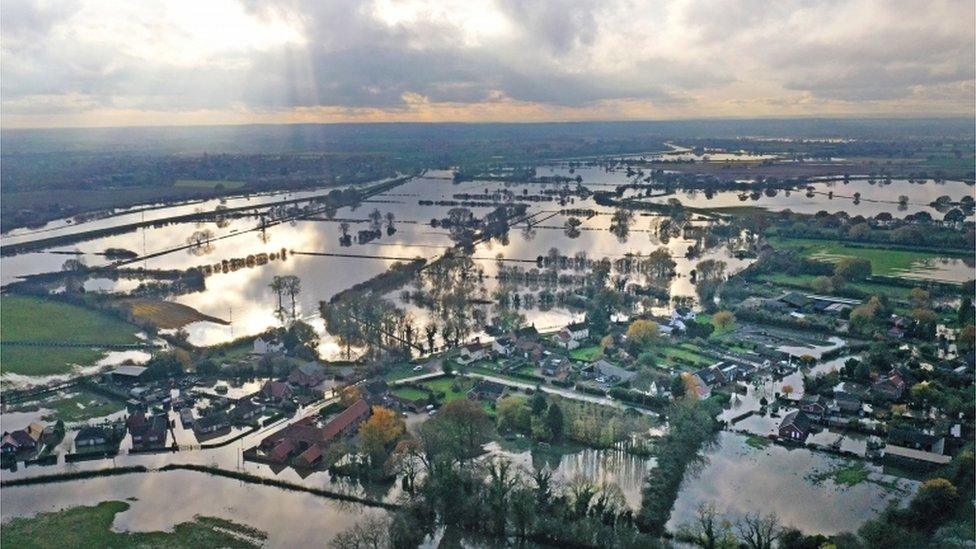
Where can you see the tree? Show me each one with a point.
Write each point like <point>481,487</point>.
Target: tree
<point>349,395</point>
<point>522,510</point>
<point>759,531</point>
<point>934,503</point>
<point>512,414</point>
<point>822,284</point>
<point>709,531</point>
<point>458,431</point>
<point>539,403</point>
<point>291,285</point>
<point>554,420</point>
<point>641,333</point>
<point>368,533</point>
<point>379,433</point>
<point>301,340</point>
<point>967,338</point>
<point>919,297</point>
<point>278,287</point>
<point>723,320</point>
<point>853,268</point>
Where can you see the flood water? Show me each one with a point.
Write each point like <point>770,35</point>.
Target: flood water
<point>164,499</point>
<point>740,479</point>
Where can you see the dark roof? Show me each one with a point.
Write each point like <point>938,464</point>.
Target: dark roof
<point>92,432</point>
<point>912,436</point>
<point>488,387</point>
<point>797,419</point>
<point>211,420</point>
<point>377,387</point>
<point>794,299</point>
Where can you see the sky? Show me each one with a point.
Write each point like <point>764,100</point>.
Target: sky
<point>67,63</point>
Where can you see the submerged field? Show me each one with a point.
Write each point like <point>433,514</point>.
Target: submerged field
<point>92,527</point>
<point>33,319</point>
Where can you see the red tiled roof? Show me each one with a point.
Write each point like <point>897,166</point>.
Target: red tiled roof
<point>282,449</point>
<point>309,456</point>
<point>357,411</point>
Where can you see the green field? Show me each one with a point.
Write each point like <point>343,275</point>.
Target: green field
<point>208,183</point>
<point>871,288</point>
<point>682,357</point>
<point>25,318</point>
<point>446,384</point>
<point>884,262</point>
<point>586,354</point>
<point>92,527</point>
<point>81,406</point>
<point>400,372</point>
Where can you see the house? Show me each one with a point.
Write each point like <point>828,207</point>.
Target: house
<point>555,367</point>
<point>794,300</point>
<point>245,410</point>
<point>186,417</point>
<point>376,392</point>
<point>847,398</point>
<point>611,373</point>
<point>486,390</point>
<point>148,432</point>
<point>564,338</point>
<point>264,345</point>
<point>814,405</point>
<point>211,423</point>
<point>276,391</point>
<point>35,431</point>
<point>308,375</point>
<point>504,346</point>
<point>711,376</point>
<point>92,436</point>
<point>579,330</point>
<point>301,436</point>
<point>17,441</point>
<point>529,349</point>
<point>128,374</point>
<point>348,420</point>
<point>890,387</point>
<point>473,352</point>
<point>916,447</point>
<point>795,426</point>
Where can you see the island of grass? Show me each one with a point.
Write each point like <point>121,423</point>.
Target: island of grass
<point>92,527</point>
<point>81,406</point>
<point>208,184</point>
<point>34,319</point>
<point>166,315</point>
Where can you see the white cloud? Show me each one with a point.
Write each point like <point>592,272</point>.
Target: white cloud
<point>414,58</point>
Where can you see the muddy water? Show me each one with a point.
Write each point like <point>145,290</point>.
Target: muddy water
<point>162,500</point>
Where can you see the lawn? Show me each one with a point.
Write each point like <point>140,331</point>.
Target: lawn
<point>167,315</point>
<point>446,384</point>
<point>92,527</point>
<point>27,318</point>
<point>81,406</point>
<point>884,262</point>
<point>208,183</point>
<point>586,354</point>
<point>682,356</point>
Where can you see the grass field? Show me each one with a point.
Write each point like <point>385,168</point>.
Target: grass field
<point>166,315</point>
<point>586,354</point>
<point>207,183</point>
<point>81,406</point>
<point>446,384</point>
<point>893,292</point>
<point>92,527</point>
<point>27,318</point>
<point>883,261</point>
<point>400,372</point>
<point>682,357</point>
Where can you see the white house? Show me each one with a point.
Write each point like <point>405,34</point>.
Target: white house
<point>566,340</point>
<point>503,346</point>
<point>263,347</point>
<point>579,330</point>
<point>473,352</point>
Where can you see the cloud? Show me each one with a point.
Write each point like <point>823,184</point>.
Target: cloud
<point>415,59</point>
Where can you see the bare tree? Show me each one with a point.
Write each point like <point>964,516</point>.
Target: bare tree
<point>369,533</point>
<point>759,531</point>
<point>709,531</point>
